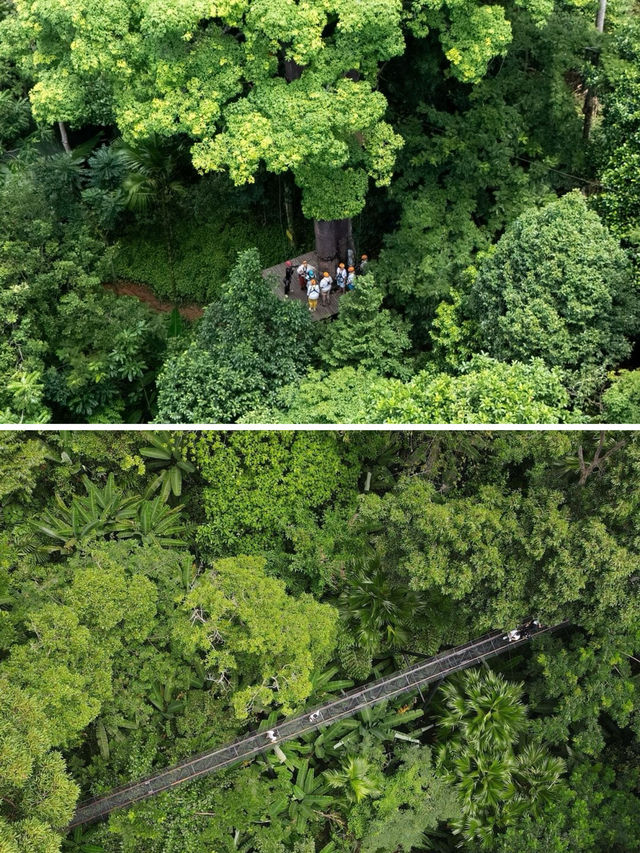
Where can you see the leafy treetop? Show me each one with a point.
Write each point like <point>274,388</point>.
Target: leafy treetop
<point>216,72</point>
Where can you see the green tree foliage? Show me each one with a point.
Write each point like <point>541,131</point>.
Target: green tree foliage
<point>475,158</point>
<point>342,396</point>
<point>15,111</point>
<point>497,775</point>
<point>413,801</point>
<point>434,242</point>
<point>37,796</point>
<point>256,637</point>
<point>269,492</point>
<point>596,809</point>
<point>586,682</point>
<point>617,137</point>
<point>557,286</point>
<point>505,554</point>
<point>621,400</point>
<point>365,334</point>
<point>486,391</point>
<point>248,344</point>
<point>54,684</point>
<point>229,93</point>
<point>68,345</point>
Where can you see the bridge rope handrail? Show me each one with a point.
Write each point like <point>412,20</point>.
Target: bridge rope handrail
<point>253,743</point>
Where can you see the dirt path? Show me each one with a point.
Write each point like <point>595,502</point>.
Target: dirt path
<point>146,295</point>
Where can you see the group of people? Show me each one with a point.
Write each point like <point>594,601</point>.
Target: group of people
<point>272,735</point>
<point>523,632</point>
<point>321,289</point>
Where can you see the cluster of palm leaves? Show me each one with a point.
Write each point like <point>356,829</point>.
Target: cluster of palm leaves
<point>335,758</point>
<point>379,609</point>
<point>167,455</point>
<point>310,791</point>
<point>107,513</point>
<point>497,774</point>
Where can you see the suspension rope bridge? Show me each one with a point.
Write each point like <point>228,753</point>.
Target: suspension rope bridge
<point>388,687</point>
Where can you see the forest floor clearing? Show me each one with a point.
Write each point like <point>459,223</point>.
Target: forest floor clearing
<point>193,311</point>
<point>143,293</point>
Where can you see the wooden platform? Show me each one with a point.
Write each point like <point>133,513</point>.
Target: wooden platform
<point>322,312</point>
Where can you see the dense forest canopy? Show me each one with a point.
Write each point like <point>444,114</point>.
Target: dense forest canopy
<point>163,593</point>
<point>484,156</point>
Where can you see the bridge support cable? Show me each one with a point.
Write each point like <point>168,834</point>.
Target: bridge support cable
<point>388,687</point>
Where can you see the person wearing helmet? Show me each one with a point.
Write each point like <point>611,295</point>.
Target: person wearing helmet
<point>326,283</point>
<point>313,292</point>
<point>364,264</point>
<point>288,275</point>
<point>341,277</point>
<point>302,275</point>
<point>351,279</point>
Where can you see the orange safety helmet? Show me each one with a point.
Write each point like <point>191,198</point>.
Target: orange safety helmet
<point>325,274</point>
<point>352,269</point>
<point>341,266</point>
<point>364,258</point>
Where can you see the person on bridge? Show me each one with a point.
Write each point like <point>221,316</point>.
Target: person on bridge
<point>313,292</point>
<point>272,736</point>
<point>341,277</point>
<point>326,283</point>
<point>317,715</point>
<point>364,265</point>
<point>513,636</point>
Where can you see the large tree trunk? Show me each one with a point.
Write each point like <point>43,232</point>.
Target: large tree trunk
<point>292,71</point>
<point>334,238</point>
<point>64,137</point>
<point>591,100</point>
<point>288,208</point>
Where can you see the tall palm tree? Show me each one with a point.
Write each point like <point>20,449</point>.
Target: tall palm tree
<point>535,775</point>
<point>497,777</point>
<point>482,709</point>
<point>378,609</point>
